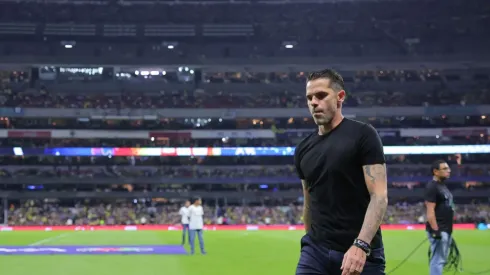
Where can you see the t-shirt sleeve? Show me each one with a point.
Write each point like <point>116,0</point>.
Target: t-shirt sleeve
<point>431,193</point>
<point>297,162</point>
<point>371,147</point>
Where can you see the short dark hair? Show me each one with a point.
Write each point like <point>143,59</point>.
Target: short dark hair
<point>336,80</point>
<point>195,199</point>
<point>436,165</point>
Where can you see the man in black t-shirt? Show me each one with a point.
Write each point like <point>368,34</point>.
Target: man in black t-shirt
<point>440,213</point>
<point>342,168</point>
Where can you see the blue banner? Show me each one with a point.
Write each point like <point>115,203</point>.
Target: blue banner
<point>228,151</point>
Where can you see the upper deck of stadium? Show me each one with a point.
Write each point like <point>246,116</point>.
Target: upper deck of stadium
<point>174,32</point>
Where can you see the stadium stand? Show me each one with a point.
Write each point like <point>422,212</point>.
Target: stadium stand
<point>114,113</point>
<point>232,76</point>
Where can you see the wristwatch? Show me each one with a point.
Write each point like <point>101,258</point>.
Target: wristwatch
<point>364,246</point>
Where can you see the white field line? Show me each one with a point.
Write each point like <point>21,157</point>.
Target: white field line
<point>47,240</point>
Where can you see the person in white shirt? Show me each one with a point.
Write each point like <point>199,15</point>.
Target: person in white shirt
<point>196,224</point>
<point>184,213</point>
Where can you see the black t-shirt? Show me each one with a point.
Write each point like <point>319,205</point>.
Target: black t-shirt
<point>331,165</point>
<point>438,193</point>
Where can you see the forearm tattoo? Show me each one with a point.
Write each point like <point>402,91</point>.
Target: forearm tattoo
<point>306,209</point>
<point>376,180</point>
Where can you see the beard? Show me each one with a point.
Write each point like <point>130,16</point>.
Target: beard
<point>327,114</point>
<point>322,120</point>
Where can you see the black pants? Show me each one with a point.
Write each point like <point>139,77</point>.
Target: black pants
<point>319,260</point>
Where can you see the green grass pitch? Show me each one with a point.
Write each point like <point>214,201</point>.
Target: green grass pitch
<point>229,253</point>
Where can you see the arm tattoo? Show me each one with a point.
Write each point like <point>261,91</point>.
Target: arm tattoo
<point>307,217</point>
<point>306,208</point>
<point>374,173</point>
<point>377,183</point>
<point>374,216</point>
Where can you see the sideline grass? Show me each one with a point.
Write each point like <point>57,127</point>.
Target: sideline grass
<point>229,253</point>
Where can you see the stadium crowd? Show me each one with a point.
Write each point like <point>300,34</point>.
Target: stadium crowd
<point>74,162</point>
<point>360,29</point>
<point>369,88</point>
<point>360,97</point>
<point>282,127</point>
<point>203,172</point>
<point>34,212</point>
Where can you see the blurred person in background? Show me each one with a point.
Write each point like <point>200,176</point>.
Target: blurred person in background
<point>196,224</point>
<point>184,213</point>
<point>440,213</point>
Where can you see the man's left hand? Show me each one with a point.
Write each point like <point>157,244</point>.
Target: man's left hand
<point>354,260</point>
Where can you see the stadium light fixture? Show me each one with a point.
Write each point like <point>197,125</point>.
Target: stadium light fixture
<point>170,44</point>
<point>68,44</point>
<point>289,44</point>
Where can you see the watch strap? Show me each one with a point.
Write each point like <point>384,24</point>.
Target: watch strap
<point>364,246</point>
